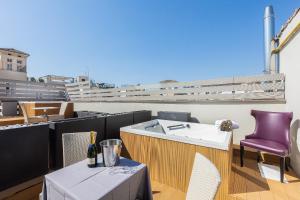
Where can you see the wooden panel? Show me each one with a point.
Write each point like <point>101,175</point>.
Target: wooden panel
<point>141,146</point>
<point>50,111</point>
<point>162,192</point>
<point>29,106</point>
<point>69,110</point>
<point>28,194</point>
<point>11,120</point>
<point>171,162</point>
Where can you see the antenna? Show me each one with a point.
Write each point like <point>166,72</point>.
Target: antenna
<point>88,72</point>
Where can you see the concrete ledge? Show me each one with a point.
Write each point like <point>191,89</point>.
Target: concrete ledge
<point>228,102</point>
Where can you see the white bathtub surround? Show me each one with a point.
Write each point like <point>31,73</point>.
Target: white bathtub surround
<point>191,133</point>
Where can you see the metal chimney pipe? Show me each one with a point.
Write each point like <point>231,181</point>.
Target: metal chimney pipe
<point>269,33</point>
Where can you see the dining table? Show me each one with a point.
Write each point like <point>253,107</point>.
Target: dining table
<point>129,180</point>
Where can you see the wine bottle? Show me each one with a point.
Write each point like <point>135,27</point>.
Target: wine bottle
<point>92,151</point>
<point>95,148</point>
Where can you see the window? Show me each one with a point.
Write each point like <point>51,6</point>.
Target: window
<point>9,60</point>
<point>21,68</point>
<point>9,67</point>
<point>19,61</point>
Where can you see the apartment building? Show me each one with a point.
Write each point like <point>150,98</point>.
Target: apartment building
<point>13,64</point>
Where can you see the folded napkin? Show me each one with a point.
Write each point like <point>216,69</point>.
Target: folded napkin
<point>218,123</point>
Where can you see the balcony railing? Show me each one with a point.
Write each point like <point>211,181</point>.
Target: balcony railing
<point>251,88</point>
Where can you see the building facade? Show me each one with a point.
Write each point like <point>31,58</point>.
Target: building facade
<point>13,64</point>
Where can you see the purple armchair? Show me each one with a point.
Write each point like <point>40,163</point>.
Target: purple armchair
<point>271,135</point>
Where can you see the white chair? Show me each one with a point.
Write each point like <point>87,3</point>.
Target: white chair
<point>75,146</point>
<point>204,181</point>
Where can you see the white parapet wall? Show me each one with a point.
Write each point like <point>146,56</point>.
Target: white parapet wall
<point>290,65</point>
<point>205,113</point>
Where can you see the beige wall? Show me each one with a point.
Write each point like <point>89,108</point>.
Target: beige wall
<point>205,113</point>
<point>12,74</point>
<point>290,66</point>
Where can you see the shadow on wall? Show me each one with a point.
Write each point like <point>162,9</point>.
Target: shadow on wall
<point>295,149</point>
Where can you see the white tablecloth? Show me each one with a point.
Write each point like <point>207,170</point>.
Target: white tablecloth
<point>129,180</point>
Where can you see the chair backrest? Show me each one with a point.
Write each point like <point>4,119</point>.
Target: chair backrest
<point>75,147</point>
<point>25,115</point>
<point>274,126</point>
<point>205,179</point>
<point>63,108</point>
<point>175,116</point>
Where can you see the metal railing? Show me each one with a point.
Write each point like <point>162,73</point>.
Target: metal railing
<point>250,88</point>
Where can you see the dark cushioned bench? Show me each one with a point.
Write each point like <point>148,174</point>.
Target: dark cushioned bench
<point>23,154</point>
<point>115,122</point>
<point>141,116</point>
<point>175,116</point>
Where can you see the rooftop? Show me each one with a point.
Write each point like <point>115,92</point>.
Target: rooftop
<point>15,51</point>
<point>232,138</point>
<point>284,26</point>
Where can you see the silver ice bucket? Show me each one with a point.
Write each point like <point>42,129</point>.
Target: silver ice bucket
<point>111,150</point>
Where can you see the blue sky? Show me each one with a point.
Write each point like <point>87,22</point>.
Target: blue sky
<point>140,41</point>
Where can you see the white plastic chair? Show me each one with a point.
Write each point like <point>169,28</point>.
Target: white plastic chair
<point>204,181</point>
<point>75,146</point>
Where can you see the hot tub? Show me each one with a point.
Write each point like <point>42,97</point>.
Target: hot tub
<point>168,149</point>
<point>192,133</point>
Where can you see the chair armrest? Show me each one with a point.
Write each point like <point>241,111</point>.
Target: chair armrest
<point>251,136</point>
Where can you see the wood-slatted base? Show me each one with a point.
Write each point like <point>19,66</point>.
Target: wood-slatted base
<point>4,121</point>
<point>171,162</point>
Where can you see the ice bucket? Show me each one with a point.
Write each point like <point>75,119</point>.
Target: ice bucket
<point>111,150</point>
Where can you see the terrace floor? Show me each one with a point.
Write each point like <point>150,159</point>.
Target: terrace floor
<point>246,184</point>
